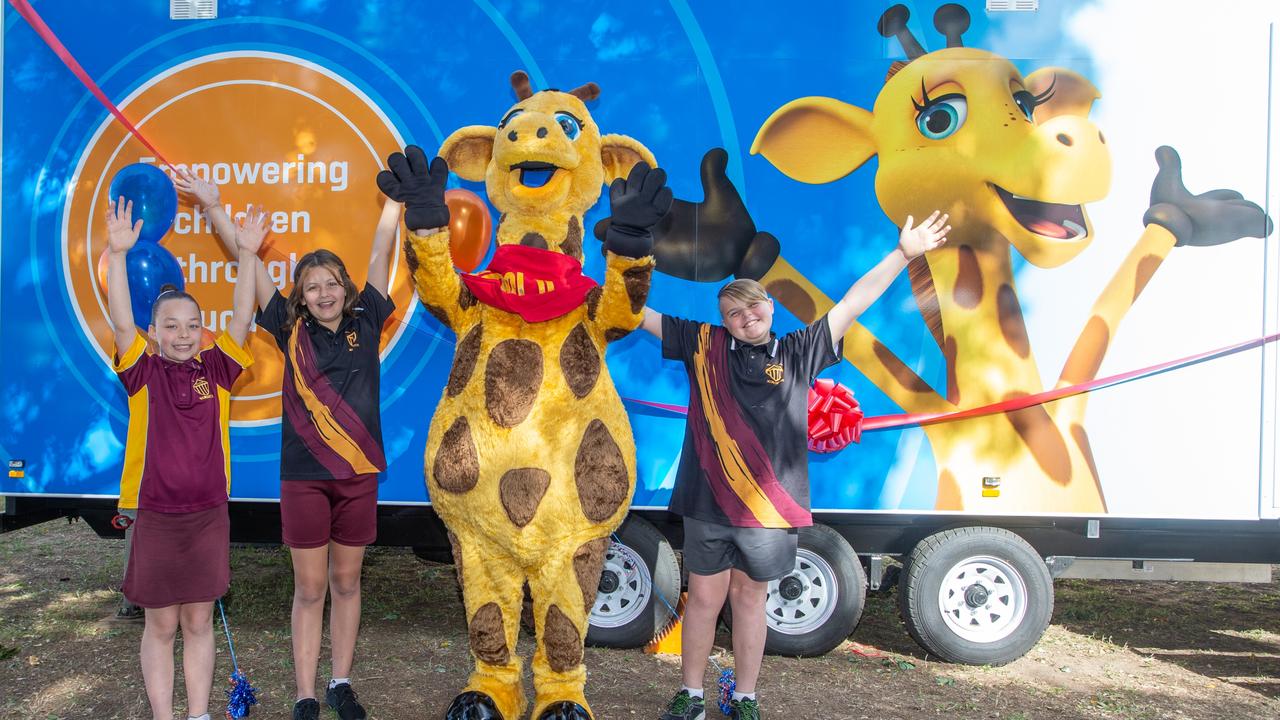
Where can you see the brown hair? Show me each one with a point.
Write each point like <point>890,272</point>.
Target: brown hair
<point>168,292</point>
<point>744,290</point>
<point>319,258</point>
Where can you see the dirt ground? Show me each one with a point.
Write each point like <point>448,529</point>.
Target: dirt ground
<point>1114,650</point>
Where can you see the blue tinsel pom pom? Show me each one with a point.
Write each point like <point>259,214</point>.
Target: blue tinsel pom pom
<point>727,685</point>
<point>240,697</point>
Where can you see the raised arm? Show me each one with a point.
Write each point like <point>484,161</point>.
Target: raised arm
<point>912,241</point>
<point>248,240</point>
<point>380,255</point>
<point>209,198</point>
<point>122,234</point>
<point>652,322</point>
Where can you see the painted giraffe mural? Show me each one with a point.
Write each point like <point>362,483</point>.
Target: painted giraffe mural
<point>1014,161</point>
<point>530,460</point>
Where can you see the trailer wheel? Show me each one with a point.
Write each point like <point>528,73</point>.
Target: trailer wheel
<point>975,595</point>
<point>814,608</point>
<point>639,579</point>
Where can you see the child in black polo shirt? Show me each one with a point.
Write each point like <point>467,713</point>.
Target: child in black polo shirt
<point>331,436</point>
<point>743,484</point>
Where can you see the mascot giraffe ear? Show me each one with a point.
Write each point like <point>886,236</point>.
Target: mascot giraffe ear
<point>1069,93</point>
<point>816,139</point>
<point>619,153</point>
<point>468,151</point>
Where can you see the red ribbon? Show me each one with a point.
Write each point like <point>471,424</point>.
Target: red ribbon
<point>37,23</point>
<point>888,422</point>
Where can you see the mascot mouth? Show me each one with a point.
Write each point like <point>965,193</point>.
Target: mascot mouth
<point>535,174</point>
<point>1052,220</point>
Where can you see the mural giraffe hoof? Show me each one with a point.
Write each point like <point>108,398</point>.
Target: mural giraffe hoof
<point>472,705</point>
<point>565,710</point>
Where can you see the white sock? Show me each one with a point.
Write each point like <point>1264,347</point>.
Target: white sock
<point>338,681</point>
<point>198,717</point>
<point>694,692</point>
<point>744,696</point>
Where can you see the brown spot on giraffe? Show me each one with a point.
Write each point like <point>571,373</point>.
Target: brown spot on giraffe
<point>949,497</point>
<point>794,298</point>
<point>438,313</point>
<point>1147,267</point>
<point>561,640</point>
<point>613,334</point>
<point>600,473</point>
<point>512,379</point>
<point>593,301</point>
<point>968,287</point>
<point>534,240</point>
<point>926,296</point>
<point>1043,439</point>
<point>1086,357</point>
<point>951,351</point>
<point>1082,441</point>
<point>488,638</point>
<point>900,372</point>
<point>410,256</point>
<point>1011,324</point>
<point>579,361</point>
<point>636,281</point>
<point>465,356</point>
<point>457,466</point>
<point>466,298</point>
<point>588,562</point>
<point>520,491</point>
<point>572,243</point>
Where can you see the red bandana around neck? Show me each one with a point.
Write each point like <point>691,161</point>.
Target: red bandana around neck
<point>538,285</point>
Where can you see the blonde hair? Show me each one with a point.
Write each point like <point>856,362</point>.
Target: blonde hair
<point>743,290</point>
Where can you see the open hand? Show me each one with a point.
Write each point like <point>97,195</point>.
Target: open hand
<point>418,186</point>
<point>205,192</point>
<point>252,229</point>
<point>920,239</point>
<point>122,231</point>
<point>637,203</point>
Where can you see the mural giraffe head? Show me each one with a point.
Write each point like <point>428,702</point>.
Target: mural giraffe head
<point>544,164</point>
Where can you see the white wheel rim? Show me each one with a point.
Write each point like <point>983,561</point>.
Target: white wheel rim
<point>631,597</point>
<point>818,593</point>
<point>983,599</point>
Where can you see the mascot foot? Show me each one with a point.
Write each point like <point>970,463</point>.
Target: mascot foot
<point>472,705</point>
<point>565,710</point>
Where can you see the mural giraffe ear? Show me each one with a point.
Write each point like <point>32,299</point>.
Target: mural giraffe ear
<point>1067,93</point>
<point>816,139</point>
<point>619,153</point>
<point>468,151</point>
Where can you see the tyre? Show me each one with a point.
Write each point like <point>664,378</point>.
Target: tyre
<point>814,608</point>
<point>975,595</point>
<point>640,579</point>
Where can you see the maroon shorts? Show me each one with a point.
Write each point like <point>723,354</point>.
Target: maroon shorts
<point>313,512</point>
<point>177,558</point>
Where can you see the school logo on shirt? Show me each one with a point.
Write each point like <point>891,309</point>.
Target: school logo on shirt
<point>773,371</point>
<point>201,386</point>
<point>351,340</point>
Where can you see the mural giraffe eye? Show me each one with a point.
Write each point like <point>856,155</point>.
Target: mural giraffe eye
<point>941,117</point>
<point>1026,102</point>
<point>570,124</point>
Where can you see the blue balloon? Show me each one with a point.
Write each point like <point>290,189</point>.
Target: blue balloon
<point>150,267</point>
<point>155,199</point>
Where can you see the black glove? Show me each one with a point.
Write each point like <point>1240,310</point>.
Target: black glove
<point>420,189</point>
<point>713,239</point>
<point>1210,218</point>
<point>637,203</point>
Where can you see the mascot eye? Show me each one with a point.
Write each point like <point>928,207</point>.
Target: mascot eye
<point>942,117</point>
<point>569,124</point>
<point>510,116</point>
<point>1026,103</point>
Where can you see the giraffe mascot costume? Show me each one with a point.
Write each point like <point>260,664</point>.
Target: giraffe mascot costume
<point>530,460</point>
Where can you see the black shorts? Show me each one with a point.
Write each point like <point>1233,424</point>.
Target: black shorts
<point>764,554</point>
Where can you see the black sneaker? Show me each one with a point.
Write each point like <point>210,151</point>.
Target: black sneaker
<point>306,709</point>
<point>342,699</point>
<point>744,709</point>
<point>685,707</point>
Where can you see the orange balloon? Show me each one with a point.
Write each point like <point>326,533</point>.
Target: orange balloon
<point>469,228</point>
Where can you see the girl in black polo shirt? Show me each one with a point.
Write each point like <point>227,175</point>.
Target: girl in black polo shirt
<point>331,432</point>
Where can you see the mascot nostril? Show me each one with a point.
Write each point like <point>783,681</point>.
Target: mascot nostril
<point>530,460</point>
